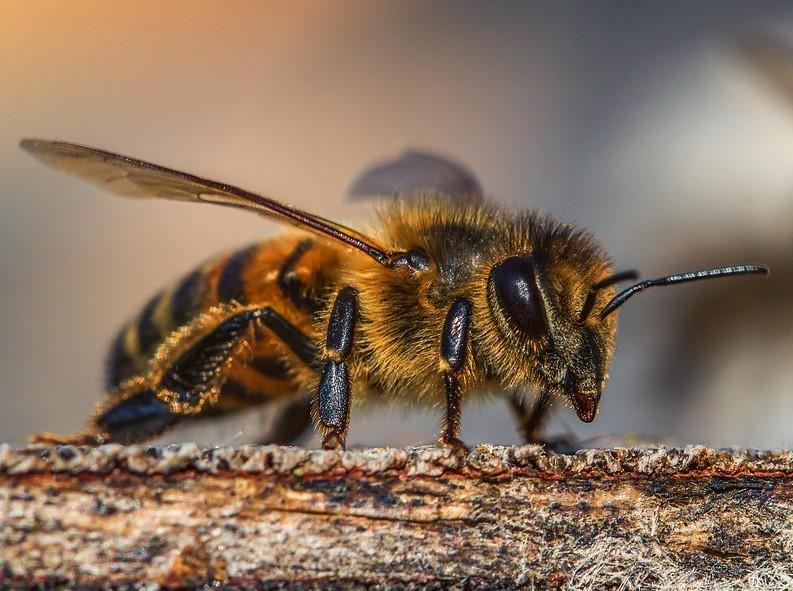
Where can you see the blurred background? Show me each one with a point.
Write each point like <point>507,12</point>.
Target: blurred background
<point>665,128</point>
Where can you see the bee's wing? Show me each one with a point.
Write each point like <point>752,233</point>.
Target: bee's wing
<point>415,170</point>
<point>135,178</point>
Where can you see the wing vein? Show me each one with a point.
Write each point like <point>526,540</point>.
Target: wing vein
<point>131,177</point>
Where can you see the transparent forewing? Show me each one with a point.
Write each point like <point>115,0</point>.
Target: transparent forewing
<point>119,174</point>
<point>131,177</point>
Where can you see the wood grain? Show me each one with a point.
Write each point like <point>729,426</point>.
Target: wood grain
<point>500,517</point>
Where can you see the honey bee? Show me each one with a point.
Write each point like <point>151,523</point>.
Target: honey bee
<point>447,297</point>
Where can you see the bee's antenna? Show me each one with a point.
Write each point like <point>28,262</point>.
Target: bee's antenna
<point>593,291</point>
<point>716,273</point>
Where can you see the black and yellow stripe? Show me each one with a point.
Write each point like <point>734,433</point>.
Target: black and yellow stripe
<point>270,270</point>
<point>138,339</point>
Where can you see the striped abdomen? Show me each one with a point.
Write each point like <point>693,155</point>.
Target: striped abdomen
<point>287,273</point>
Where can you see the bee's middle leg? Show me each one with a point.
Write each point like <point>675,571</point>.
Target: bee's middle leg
<point>333,394</point>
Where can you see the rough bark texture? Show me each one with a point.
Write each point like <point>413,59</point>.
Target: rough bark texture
<point>272,517</point>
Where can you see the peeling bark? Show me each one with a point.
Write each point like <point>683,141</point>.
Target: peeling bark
<point>501,517</point>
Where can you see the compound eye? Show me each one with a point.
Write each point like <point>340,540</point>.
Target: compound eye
<point>515,283</point>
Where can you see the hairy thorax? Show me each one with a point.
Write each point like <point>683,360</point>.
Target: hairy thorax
<point>402,311</point>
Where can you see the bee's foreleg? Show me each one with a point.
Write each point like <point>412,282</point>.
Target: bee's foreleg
<point>454,339</point>
<point>333,395</point>
<point>531,417</point>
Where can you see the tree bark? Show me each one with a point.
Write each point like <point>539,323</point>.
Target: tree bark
<point>500,517</point>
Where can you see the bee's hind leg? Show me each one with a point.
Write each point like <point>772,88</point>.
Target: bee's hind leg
<point>185,379</point>
<point>129,414</point>
<point>80,438</point>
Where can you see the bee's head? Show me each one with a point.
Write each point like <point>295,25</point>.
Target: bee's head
<point>537,306</point>
<point>551,302</point>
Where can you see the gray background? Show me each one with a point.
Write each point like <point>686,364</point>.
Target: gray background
<point>638,120</point>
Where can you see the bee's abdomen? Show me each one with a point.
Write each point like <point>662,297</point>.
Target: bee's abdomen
<point>287,274</point>
<point>166,311</point>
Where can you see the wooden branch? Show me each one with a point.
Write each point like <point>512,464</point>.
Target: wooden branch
<point>270,517</point>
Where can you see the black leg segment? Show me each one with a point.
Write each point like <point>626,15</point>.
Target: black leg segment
<point>455,333</point>
<point>299,343</point>
<point>454,339</point>
<point>146,406</point>
<point>341,325</point>
<point>531,417</point>
<point>200,369</point>
<point>139,417</point>
<point>193,375</point>
<point>333,395</point>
